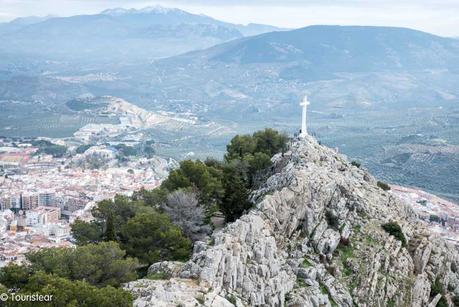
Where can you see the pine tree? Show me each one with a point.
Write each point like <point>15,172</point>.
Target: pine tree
<point>110,234</point>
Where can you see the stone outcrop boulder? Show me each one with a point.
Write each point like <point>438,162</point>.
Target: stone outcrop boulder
<point>313,238</point>
<point>166,269</point>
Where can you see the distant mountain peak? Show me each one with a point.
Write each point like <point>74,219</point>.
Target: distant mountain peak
<point>157,9</point>
<point>31,19</point>
<point>115,12</point>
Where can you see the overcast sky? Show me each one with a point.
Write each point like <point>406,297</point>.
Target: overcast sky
<point>435,16</point>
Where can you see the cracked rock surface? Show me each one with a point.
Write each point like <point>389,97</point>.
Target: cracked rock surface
<point>313,238</point>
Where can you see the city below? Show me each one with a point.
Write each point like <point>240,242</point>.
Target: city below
<point>41,195</point>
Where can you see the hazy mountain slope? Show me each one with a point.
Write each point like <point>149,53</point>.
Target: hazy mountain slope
<point>343,48</point>
<point>357,67</point>
<point>19,23</point>
<point>119,34</point>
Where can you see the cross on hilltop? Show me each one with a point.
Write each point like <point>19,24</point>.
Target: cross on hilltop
<point>304,129</point>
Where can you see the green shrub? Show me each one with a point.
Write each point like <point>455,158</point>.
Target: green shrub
<point>442,302</point>
<point>231,299</point>
<point>268,141</point>
<point>85,233</point>
<point>395,230</point>
<point>72,293</point>
<point>356,163</point>
<point>201,299</point>
<point>356,228</point>
<point>306,263</point>
<point>391,303</point>
<point>436,288</point>
<point>196,174</point>
<point>324,289</point>
<point>151,237</point>
<point>434,218</point>
<point>101,264</point>
<point>300,282</point>
<point>345,252</point>
<point>383,186</point>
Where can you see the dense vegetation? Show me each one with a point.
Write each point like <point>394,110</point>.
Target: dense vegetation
<point>142,149</point>
<point>129,234</point>
<point>48,148</point>
<point>141,230</point>
<point>103,264</point>
<point>225,185</point>
<point>71,293</point>
<point>85,276</point>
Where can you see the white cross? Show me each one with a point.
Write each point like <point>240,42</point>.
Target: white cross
<point>304,104</point>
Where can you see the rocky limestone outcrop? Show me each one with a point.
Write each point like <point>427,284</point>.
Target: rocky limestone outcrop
<point>313,238</point>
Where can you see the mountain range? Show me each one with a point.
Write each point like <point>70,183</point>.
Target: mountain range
<point>339,66</point>
<point>119,34</point>
<point>345,48</point>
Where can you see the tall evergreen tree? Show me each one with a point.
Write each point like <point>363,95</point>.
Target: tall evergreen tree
<point>235,200</point>
<point>110,234</point>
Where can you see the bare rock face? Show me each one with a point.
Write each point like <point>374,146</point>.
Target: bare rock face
<point>314,238</point>
<point>175,292</point>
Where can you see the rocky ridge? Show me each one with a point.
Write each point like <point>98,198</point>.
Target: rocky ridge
<point>314,238</point>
